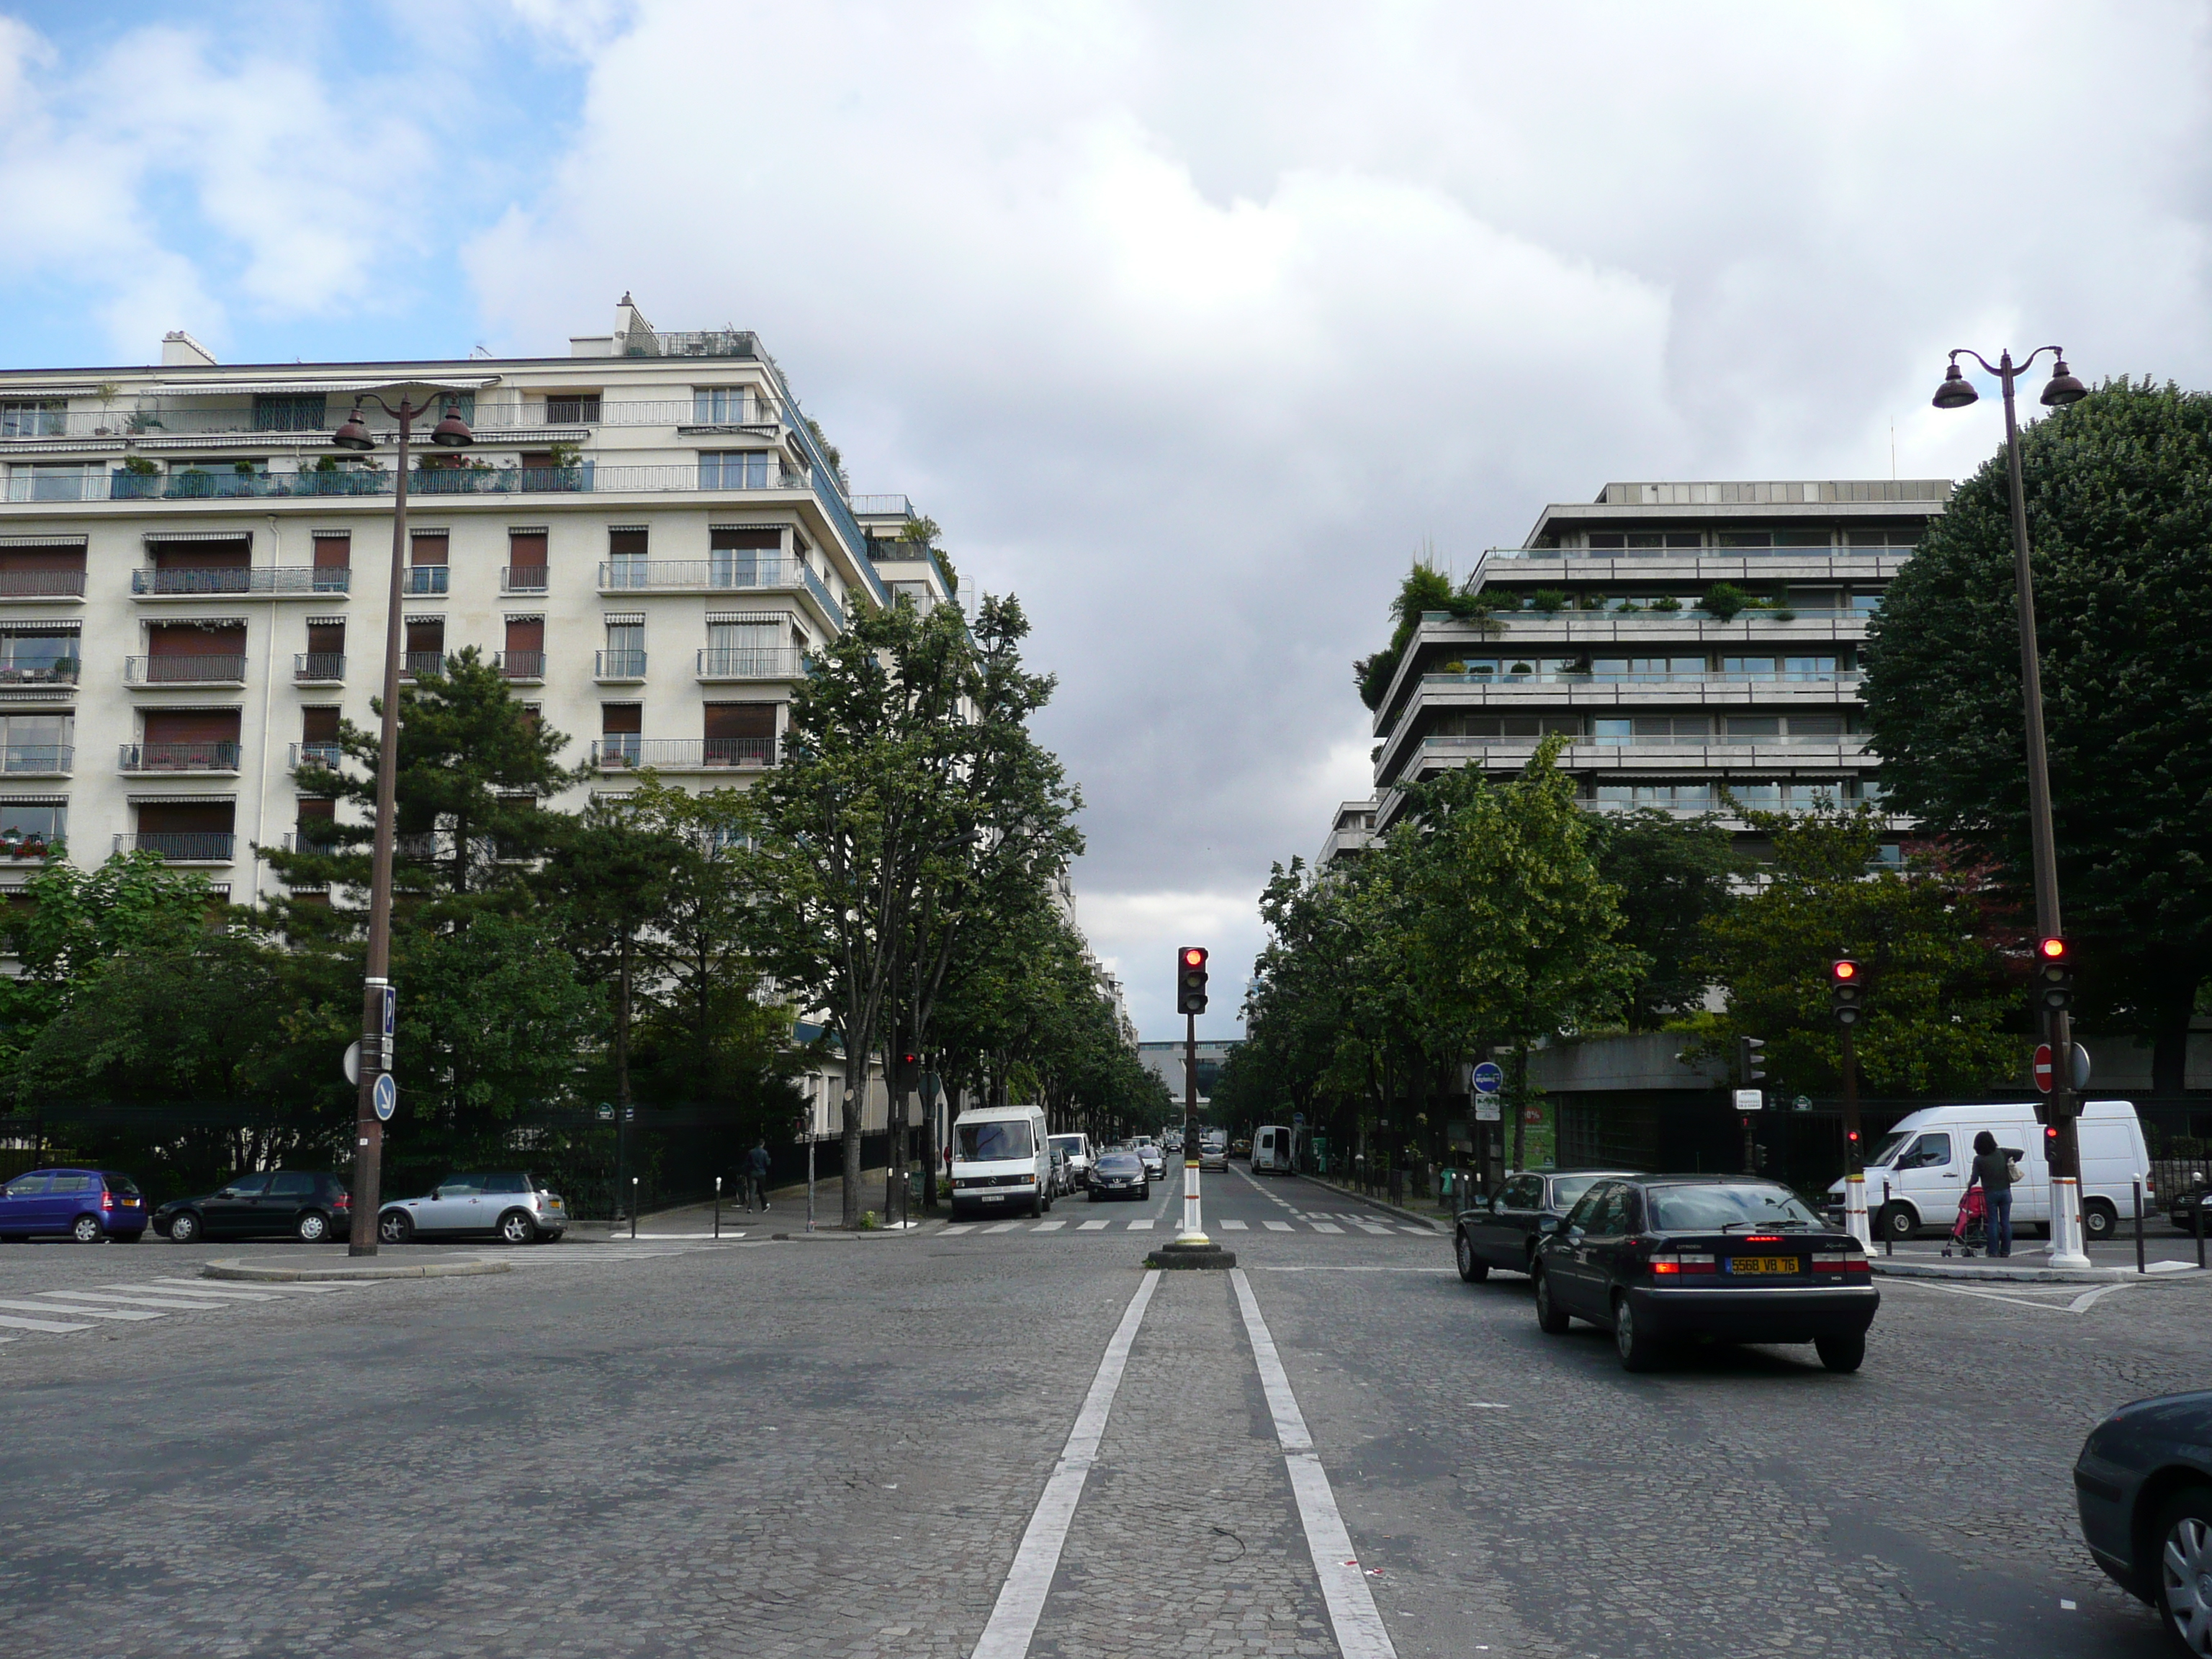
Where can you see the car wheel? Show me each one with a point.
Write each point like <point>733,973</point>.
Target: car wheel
<point>85,1230</point>
<point>1900,1221</point>
<point>184,1228</point>
<point>1472,1267</point>
<point>1551,1319</point>
<point>394,1227</point>
<point>516,1227</point>
<point>2183,1533</point>
<point>2100,1221</point>
<point>1841,1353</point>
<point>312,1227</point>
<point>1638,1349</point>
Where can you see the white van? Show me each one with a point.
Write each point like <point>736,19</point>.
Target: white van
<point>1001,1162</point>
<point>1917,1176</point>
<point>1271,1150</point>
<point>1078,1148</point>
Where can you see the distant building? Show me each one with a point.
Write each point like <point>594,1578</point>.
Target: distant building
<point>1167,1060</point>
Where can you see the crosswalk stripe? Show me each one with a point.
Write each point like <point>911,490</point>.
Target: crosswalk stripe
<point>1141,1226</point>
<point>1000,1227</point>
<point>195,1291</point>
<point>1372,1227</point>
<point>1234,1227</point>
<point>1276,1226</point>
<point>87,1313</point>
<point>1419,1232</point>
<point>55,1326</point>
<point>956,1228</point>
<point>201,1287</point>
<point>1327,1227</point>
<point>1093,1226</point>
<point>1047,1226</point>
<point>169,1301</point>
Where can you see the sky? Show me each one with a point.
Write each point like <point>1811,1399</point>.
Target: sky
<point>1192,325</point>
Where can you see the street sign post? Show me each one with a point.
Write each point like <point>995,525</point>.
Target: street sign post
<point>1489,1078</point>
<point>1486,1109</point>
<point>384,1096</point>
<point>1751,1100</point>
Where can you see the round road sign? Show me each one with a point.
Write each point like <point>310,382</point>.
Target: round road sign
<point>2043,1067</point>
<point>385,1096</point>
<point>1488,1077</point>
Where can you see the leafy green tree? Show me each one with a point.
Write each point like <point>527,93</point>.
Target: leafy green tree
<point>1671,877</point>
<point>1425,589</point>
<point>2120,515</point>
<point>1936,1003</point>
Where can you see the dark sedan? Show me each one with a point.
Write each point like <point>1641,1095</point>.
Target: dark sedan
<point>1502,1231</point>
<point>300,1204</point>
<point>2143,1485</point>
<point>1119,1174</point>
<point>1659,1259</point>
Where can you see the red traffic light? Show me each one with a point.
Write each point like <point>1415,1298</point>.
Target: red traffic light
<point>1842,972</point>
<point>1193,957</point>
<point>2050,950</point>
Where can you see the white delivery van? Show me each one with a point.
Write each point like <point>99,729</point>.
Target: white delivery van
<point>1078,1148</point>
<point>1001,1162</point>
<point>1271,1150</point>
<point>1924,1166</point>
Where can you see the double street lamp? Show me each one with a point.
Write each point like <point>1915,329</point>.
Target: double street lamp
<point>451,432</point>
<point>2062,389</point>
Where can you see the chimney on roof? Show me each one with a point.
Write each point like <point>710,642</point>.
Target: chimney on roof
<point>180,350</point>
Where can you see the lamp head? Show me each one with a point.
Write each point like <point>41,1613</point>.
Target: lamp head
<point>2062,388</point>
<point>1957,390</point>
<point>354,434</point>
<point>452,432</point>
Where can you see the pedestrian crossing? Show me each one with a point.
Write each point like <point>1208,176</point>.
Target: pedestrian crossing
<point>74,1312</point>
<point>1318,1222</point>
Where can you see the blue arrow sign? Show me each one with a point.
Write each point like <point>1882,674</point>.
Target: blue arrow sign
<point>1489,1078</point>
<point>384,1096</point>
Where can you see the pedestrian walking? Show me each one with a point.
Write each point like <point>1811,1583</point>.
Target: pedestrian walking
<point>1993,1170</point>
<point>756,1174</point>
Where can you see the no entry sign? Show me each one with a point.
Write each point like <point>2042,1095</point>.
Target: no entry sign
<point>2043,1067</point>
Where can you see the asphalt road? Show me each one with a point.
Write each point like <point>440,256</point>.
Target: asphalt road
<point>856,1447</point>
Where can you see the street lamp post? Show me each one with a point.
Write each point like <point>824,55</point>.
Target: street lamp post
<point>1956,392</point>
<point>451,432</point>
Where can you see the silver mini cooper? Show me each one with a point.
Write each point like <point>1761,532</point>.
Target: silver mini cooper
<point>510,1205</point>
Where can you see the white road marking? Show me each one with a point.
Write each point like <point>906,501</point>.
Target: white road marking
<point>1371,1227</point>
<point>956,1228</point>
<point>54,1325</point>
<point>201,1291</point>
<point>1276,1226</point>
<point>2080,1304</point>
<point>1093,1226</point>
<point>1344,1267</point>
<point>1327,1227</point>
<point>1360,1632</point>
<point>171,1303</point>
<point>1047,1226</point>
<point>1000,1227</point>
<point>81,1313</point>
<point>1021,1598</point>
<point>1145,1226</point>
<point>1419,1232</point>
<point>1234,1227</point>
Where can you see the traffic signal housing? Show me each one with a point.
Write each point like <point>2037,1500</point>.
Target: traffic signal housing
<point>2054,976</point>
<point>1846,992</point>
<point>1749,1061</point>
<point>1190,980</point>
<point>905,1073</point>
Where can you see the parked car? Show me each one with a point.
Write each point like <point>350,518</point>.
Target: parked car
<point>1119,1174</point>
<point>261,1204</point>
<point>86,1205</point>
<point>2184,1206</point>
<point>1918,1176</point>
<point>1214,1155</point>
<point>1657,1259</point>
<point>1063,1181</point>
<point>2143,1485</point>
<point>1270,1149</point>
<point>1501,1230</point>
<point>1156,1161</point>
<point>518,1208</point>
<point>1002,1161</point>
<point>1240,1147</point>
<point>1078,1148</point>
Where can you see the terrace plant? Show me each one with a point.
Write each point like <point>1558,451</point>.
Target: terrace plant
<point>1724,601</point>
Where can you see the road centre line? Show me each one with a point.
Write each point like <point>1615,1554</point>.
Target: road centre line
<point>1021,1599</point>
<point>1358,1626</point>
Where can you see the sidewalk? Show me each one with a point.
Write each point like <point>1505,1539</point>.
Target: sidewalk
<point>787,1213</point>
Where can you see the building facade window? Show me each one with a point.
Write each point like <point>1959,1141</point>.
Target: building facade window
<point>734,468</point>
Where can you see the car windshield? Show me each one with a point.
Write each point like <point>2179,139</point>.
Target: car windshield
<point>1888,1150</point>
<point>1704,1209</point>
<point>1117,1164</point>
<point>122,1185</point>
<point>993,1143</point>
<point>1567,1189</point>
<point>1071,1145</point>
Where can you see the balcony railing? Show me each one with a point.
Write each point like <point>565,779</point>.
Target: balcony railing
<point>420,665</point>
<point>178,757</point>
<point>620,665</point>
<point>181,845</point>
<point>316,754</point>
<point>521,664</point>
<point>591,477</point>
<point>42,584</point>
<point>522,578</point>
<point>618,752</point>
<point>505,414</point>
<point>417,579</point>
<point>62,670</point>
<point>765,570</point>
<point>319,667</point>
<point>177,583</point>
<point>1711,677</point>
<point>45,759</point>
<point>739,664</point>
<point>184,671</point>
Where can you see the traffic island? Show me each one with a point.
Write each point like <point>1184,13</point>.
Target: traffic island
<point>1178,1256</point>
<point>345,1272</point>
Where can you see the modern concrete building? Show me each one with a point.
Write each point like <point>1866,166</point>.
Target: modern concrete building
<point>646,537</point>
<point>1682,637</point>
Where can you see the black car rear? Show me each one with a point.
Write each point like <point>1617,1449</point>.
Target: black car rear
<point>1663,1260</point>
<point>1119,1174</point>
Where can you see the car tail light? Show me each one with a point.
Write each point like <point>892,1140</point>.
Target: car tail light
<point>107,1200</point>
<point>343,1201</point>
<point>1762,1239</point>
<point>1683,1262</point>
<point>1841,1261</point>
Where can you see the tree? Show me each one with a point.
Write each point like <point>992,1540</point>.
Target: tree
<point>1425,589</point>
<point>2121,520</point>
<point>1671,877</point>
<point>1936,998</point>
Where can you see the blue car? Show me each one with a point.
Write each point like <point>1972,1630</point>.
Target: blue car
<point>85,1205</point>
<point>2143,1485</point>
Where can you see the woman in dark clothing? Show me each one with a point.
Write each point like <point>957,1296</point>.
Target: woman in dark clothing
<point>1993,1169</point>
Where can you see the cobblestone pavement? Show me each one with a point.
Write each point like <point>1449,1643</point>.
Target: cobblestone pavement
<point>833,1448</point>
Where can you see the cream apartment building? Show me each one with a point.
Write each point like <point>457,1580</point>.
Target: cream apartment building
<point>646,537</point>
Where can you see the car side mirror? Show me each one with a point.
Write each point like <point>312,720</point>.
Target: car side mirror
<point>1549,1224</point>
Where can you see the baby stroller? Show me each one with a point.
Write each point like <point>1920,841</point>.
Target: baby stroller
<point>1971,1231</point>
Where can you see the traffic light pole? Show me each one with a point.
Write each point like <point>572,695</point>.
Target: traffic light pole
<point>1192,1233</point>
<point>1855,1209</point>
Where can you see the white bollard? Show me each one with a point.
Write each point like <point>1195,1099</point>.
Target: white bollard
<point>2066,1247</point>
<point>1855,1211</point>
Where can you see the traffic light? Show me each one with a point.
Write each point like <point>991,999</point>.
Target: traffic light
<point>905,1073</point>
<point>1190,980</point>
<point>1749,1059</point>
<point>2054,976</point>
<point>1846,994</point>
<point>2050,1145</point>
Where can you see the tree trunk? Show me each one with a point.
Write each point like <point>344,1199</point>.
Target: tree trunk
<point>855,1102</point>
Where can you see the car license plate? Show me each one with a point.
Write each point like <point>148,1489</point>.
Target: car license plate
<point>1763,1264</point>
<point>993,1198</point>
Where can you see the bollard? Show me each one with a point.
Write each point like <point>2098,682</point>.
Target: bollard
<point>2140,1268</point>
<point>633,1206</point>
<point>718,1207</point>
<point>2197,1217</point>
<point>1888,1239</point>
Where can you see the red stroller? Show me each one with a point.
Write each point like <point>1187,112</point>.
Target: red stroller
<point>1971,1231</point>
